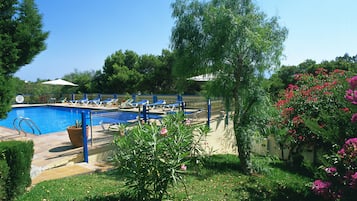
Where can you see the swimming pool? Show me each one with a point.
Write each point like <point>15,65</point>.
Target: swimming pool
<point>50,119</point>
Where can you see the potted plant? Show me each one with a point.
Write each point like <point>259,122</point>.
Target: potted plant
<point>75,134</point>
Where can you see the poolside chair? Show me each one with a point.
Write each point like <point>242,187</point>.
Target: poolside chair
<point>173,106</point>
<point>157,103</point>
<point>64,100</point>
<point>126,104</point>
<point>95,101</point>
<point>107,101</point>
<point>110,101</point>
<point>142,102</point>
<point>83,101</point>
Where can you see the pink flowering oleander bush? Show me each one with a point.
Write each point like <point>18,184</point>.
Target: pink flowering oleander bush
<point>152,157</point>
<point>340,176</point>
<point>315,112</point>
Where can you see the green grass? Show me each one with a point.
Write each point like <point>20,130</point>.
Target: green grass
<point>219,179</point>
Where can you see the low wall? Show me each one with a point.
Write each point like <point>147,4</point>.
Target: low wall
<point>221,140</point>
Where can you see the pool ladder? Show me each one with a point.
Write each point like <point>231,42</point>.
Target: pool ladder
<point>26,120</point>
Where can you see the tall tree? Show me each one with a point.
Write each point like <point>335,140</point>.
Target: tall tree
<point>21,39</point>
<point>118,76</point>
<point>149,66</point>
<point>236,42</point>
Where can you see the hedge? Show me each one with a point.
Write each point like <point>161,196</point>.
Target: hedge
<point>18,156</point>
<point>4,173</point>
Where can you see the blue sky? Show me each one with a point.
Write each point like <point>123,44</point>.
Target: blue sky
<point>84,33</point>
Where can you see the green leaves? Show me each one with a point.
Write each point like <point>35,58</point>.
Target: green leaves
<point>152,156</point>
<point>21,39</point>
<point>234,41</point>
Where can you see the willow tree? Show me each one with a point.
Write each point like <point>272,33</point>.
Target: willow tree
<point>21,39</point>
<point>238,43</point>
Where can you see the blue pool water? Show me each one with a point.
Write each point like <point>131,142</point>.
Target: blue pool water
<point>50,119</point>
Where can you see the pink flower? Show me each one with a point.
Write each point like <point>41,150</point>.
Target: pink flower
<point>345,109</point>
<point>341,152</point>
<point>301,138</point>
<point>183,167</point>
<point>321,187</point>
<point>353,182</point>
<point>351,96</point>
<point>163,131</point>
<point>353,82</point>
<point>293,87</point>
<point>354,118</point>
<point>349,149</point>
<point>351,141</point>
<point>187,122</point>
<point>331,170</point>
<point>354,176</point>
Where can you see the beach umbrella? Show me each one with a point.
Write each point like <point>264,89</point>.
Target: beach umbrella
<point>59,82</point>
<point>203,78</point>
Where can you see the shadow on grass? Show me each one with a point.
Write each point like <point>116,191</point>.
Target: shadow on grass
<point>119,197</point>
<point>222,163</point>
<point>300,170</point>
<point>218,164</point>
<point>258,192</point>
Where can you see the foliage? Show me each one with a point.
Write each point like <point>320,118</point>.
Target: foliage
<point>233,40</point>
<point>340,174</point>
<point>4,174</point>
<point>18,156</point>
<point>217,180</point>
<point>152,157</point>
<point>281,79</point>
<point>83,79</point>
<point>21,40</point>
<point>314,110</point>
<point>119,72</point>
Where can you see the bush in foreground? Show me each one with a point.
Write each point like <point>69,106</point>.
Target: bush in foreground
<point>151,157</point>
<point>18,156</point>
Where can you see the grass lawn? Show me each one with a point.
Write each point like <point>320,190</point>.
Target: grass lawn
<point>219,179</point>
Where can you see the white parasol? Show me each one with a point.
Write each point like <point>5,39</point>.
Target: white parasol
<point>59,82</point>
<point>203,78</point>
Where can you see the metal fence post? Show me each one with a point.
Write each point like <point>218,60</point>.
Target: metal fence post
<point>144,113</point>
<point>85,140</point>
<point>208,112</point>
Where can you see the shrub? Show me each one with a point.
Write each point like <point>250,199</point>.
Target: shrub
<point>4,173</point>
<point>152,157</point>
<point>316,100</point>
<point>340,175</point>
<point>18,156</point>
<point>340,178</point>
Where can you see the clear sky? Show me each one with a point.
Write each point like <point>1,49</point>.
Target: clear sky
<point>84,33</point>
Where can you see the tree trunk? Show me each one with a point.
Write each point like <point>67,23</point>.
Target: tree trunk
<point>243,141</point>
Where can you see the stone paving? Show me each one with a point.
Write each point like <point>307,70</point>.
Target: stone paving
<point>52,151</point>
<point>55,157</point>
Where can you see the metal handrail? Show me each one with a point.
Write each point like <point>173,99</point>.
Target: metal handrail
<point>29,122</point>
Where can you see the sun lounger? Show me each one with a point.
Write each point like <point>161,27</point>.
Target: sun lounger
<point>107,101</point>
<point>142,102</point>
<point>81,101</point>
<point>95,101</point>
<point>126,104</point>
<point>173,106</point>
<point>157,103</point>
